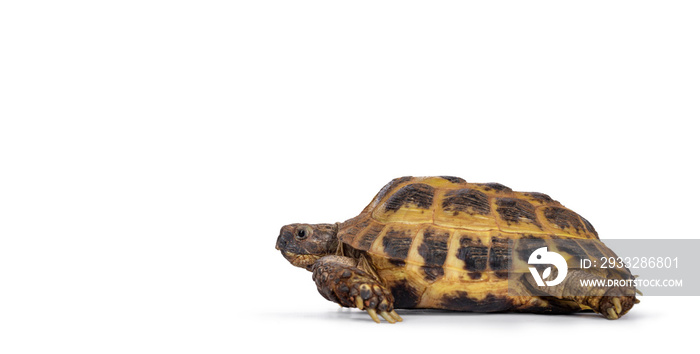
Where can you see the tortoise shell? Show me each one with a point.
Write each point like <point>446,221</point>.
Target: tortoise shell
<point>440,242</point>
<point>433,207</point>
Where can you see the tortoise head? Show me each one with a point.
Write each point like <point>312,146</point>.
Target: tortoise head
<point>303,244</point>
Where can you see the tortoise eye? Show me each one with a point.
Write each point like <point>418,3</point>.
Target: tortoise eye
<point>302,234</point>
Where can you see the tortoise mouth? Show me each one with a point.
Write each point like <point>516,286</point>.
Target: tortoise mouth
<point>300,260</point>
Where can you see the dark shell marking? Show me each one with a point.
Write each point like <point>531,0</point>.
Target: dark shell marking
<point>499,256</point>
<point>466,200</point>
<point>433,249</point>
<point>550,305</point>
<point>541,197</point>
<point>495,186</point>
<point>516,210</point>
<point>390,186</point>
<point>358,227</point>
<point>461,301</point>
<point>397,243</point>
<point>533,243</point>
<point>563,218</point>
<point>454,179</point>
<point>593,251</point>
<point>571,247</point>
<point>365,242</point>
<point>473,253</point>
<point>418,194</point>
<point>405,296</point>
<point>589,226</point>
<point>433,273</point>
<point>479,258</point>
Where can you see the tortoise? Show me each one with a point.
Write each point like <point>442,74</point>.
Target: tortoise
<point>443,243</point>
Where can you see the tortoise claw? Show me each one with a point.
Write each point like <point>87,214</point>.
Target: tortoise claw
<point>396,316</point>
<point>617,304</point>
<point>387,317</point>
<point>359,303</point>
<point>391,317</point>
<point>615,309</point>
<point>373,313</point>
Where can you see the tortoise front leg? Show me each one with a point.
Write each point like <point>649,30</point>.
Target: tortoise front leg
<point>340,280</point>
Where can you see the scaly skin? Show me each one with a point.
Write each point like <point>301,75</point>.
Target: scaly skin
<point>339,280</point>
<point>611,302</point>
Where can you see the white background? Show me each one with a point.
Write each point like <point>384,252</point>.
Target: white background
<point>151,150</point>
